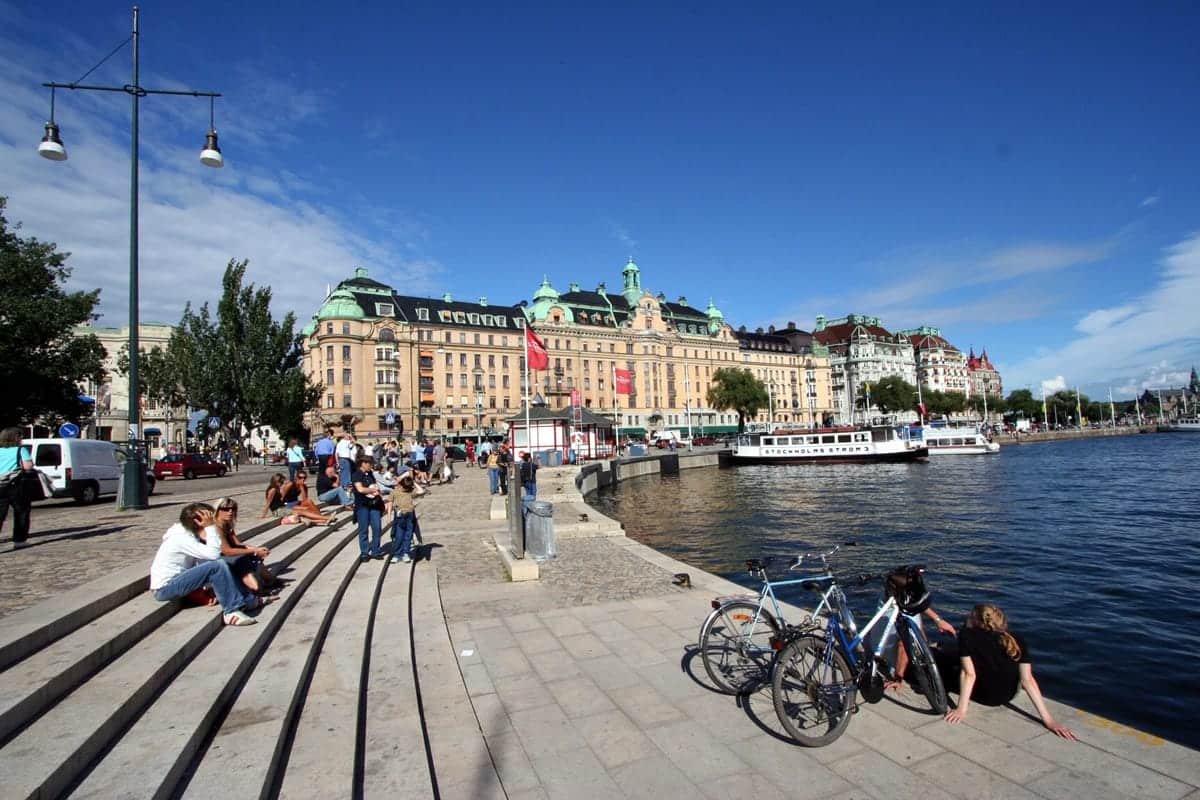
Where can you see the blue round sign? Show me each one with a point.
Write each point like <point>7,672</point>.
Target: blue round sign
<point>390,418</point>
<point>68,430</point>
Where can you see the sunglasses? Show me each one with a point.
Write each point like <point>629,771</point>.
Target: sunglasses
<point>227,508</point>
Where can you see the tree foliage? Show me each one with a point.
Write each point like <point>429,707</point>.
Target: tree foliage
<point>1022,402</point>
<point>737,390</point>
<point>890,394</point>
<point>242,366</point>
<point>44,361</point>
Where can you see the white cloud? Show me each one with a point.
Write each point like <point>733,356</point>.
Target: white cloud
<point>1150,341</point>
<point>1149,201</point>
<point>1052,385</point>
<point>192,219</point>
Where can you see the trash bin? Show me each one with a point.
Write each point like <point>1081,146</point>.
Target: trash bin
<point>539,531</point>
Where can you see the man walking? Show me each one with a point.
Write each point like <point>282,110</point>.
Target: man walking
<point>439,462</point>
<point>323,449</point>
<point>528,475</point>
<point>345,452</point>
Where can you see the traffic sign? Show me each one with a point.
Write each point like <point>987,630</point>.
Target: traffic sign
<point>214,422</point>
<point>68,430</point>
<point>390,418</point>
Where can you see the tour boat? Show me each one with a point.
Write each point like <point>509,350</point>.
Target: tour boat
<point>1189,424</point>
<point>846,444</point>
<point>954,441</point>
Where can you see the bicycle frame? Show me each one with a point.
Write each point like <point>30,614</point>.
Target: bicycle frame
<point>768,591</point>
<point>888,611</point>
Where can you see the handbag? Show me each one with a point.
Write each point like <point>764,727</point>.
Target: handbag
<point>36,482</point>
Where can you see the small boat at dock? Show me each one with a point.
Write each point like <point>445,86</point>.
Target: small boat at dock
<point>839,445</point>
<point>1183,424</point>
<point>957,441</point>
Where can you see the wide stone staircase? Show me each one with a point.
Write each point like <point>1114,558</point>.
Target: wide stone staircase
<point>347,687</point>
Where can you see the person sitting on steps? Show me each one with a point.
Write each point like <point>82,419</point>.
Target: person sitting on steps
<point>187,561</point>
<point>247,563</point>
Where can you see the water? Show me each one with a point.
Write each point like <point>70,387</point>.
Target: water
<point>1090,546</point>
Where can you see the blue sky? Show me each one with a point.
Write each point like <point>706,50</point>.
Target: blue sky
<point>1024,176</point>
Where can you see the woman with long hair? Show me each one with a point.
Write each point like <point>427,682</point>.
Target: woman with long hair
<point>247,563</point>
<point>994,662</point>
<point>280,491</point>
<point>16,465</point>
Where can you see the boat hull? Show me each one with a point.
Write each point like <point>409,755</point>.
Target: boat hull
<point>900,456</point>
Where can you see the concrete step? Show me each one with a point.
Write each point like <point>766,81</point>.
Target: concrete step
<point>43,678</point>
<point>162,746</point>
<point>55,750</point>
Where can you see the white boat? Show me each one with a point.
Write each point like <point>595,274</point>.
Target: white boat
<point>1189,424</point>
<point>826,446</point>
<point>954,441</point>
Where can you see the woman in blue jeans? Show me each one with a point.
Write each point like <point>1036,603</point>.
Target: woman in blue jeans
<point>189,558</point>
<point>368,510</point>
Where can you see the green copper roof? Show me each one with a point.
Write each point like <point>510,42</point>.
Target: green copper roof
<point>545,291</point>
<point>310,328</point>
<point>340,305</point>
<point>714,312</point>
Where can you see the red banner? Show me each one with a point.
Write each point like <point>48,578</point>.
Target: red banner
<point>535,350</point>
<point>623,380</point>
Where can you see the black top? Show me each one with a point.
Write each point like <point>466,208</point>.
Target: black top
<point>997,676</point>
<point>324,483</point>
<point>366,478</point>
<point>528,471</point>
<point>292,494</point>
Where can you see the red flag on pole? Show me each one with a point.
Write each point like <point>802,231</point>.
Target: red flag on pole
<point>536,351</point>
<point>622,378</point>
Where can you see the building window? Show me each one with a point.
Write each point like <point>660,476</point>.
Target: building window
<point>329,328</point>
<point>347,401</point>
<point>345,352</point>
<point>462,380</point>
<point>449,359</point>
<point>504,362</point>
<point>346,376</point>
<point>423,314</point>
<point>504,381</point>
<point>385,310</point>
<point>387,335</point>
<point>478,360</point>
<point>492,381</point>
<point>491,340</point>
<point>329,401</point>
<point>462,359</point>
<point>477,338</point>
<point>345,328</point>
<point>491,361</point>
<point>329,352</point>
<point>329,377</point>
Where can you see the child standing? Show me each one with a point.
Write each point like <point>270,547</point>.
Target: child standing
<point>404,518</point>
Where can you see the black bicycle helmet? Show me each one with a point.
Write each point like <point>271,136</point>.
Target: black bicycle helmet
<point>907,585</point>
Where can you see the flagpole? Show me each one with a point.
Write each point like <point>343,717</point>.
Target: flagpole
<point>528,396</point>
<point>617,412</point>
<point>1112,409</point>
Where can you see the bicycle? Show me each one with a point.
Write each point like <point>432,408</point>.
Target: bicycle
<point>817,677</point>
<point>739,638</point>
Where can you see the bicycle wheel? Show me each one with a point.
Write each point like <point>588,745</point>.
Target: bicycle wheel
<point>735,644</point>
<point>929,680</point>
<point>814,691</point>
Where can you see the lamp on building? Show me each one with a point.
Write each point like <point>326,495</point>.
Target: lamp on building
<point>52,148</point>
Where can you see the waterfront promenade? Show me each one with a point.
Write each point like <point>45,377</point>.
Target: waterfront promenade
<point>444,679</point>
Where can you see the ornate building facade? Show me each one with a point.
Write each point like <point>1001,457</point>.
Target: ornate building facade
<point>940,365</point>
<point>982,377</point>
<point>457,368</point>
<point>862,351</point>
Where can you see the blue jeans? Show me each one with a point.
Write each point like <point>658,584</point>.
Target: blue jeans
<point>530,489</point>
<point>293,468</point>
<point>345,467</point>
<point>402,533</point>
<point>230,594</point>
<point>494,479</point>
<point>367,516</point>
<point>335,495</point>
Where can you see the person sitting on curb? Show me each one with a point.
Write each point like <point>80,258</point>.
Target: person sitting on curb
<point>330,490</point>
<point>902,653</point>
<point>186,562</point>
<point>993,663</point>
<point>247,563</point>
<point>277,502</point>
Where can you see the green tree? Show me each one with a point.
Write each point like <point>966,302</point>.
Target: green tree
<point>158,380</point>
<point>1022,402</point>
<point>889,394</point>
<point>45,363</point>
<point>242,367</point>
<point>995,404</point>
<point>737,390</point>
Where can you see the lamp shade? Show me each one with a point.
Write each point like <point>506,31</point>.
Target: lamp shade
<point>211,156</point>
<point>52,146</point>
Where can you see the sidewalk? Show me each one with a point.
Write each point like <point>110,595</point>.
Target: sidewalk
<point>585,685</point>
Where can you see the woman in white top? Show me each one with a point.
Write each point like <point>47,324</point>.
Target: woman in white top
<point>189,558</point>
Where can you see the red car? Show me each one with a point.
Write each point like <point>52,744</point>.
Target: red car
<point>187,465</point>
<point>703,441</point>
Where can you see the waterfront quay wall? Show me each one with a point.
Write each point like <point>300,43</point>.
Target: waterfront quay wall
<point>607,473</point>
<point>1058,436</point>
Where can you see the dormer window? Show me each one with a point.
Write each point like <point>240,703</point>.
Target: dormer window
<point>423,314</point>
<point>385,310</point>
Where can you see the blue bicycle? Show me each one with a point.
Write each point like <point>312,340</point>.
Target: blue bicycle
<point>819,674</point>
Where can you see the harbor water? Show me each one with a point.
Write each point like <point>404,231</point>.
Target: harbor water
<point>1091,546</point>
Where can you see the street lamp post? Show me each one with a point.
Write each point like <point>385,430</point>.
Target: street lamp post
<point>52,148</point>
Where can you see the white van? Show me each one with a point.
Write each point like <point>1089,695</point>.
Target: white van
<point>80,468</point>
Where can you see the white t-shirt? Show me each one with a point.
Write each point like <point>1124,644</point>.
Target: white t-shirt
<point>345,448</point>
<point>180,551</point>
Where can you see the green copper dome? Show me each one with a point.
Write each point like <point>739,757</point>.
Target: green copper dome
<point>545,291</point>
<point>714,312</point>
<point>309,328</point>
<point>340,305</point>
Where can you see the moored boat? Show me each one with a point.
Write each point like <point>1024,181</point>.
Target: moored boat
<point>1187,424</point>
<point>839,445</point>
<point>943,441</point>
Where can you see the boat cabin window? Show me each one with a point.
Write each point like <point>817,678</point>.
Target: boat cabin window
<point>879,434</point>
<point>827,439</point>
<point>843,437</point>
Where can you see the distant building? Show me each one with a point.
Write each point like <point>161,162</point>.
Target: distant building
<point>940,365</point>
<point>862,351</point>
<point>447,367</point>
<point>983,378</point>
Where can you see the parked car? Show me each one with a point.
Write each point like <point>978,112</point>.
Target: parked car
<point>703,441</point>
<point>187,465</point>
<point>83,469</point>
